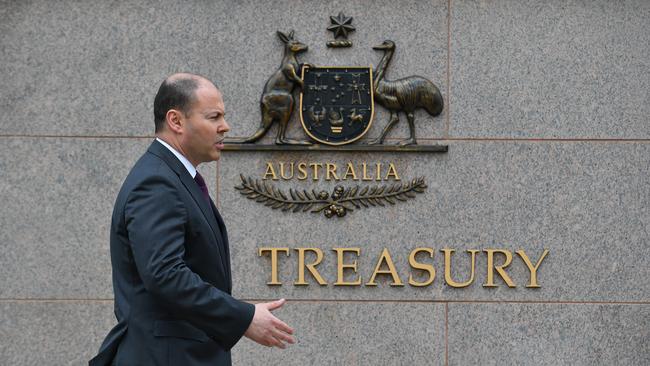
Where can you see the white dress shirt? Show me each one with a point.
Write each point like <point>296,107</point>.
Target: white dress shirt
<point>186,163</point>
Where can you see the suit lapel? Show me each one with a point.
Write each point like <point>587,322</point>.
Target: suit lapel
<point>162,152</point>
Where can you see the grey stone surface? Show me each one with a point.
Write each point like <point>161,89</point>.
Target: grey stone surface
<point>549,334</point>
<point>551,69</point>
<point>57,196</point>
<point>355,333</point>
<point>92,68</point>
<point>70,333</point>
<point>584,202</point>
<point>518,69</point>
<point>52,333</point>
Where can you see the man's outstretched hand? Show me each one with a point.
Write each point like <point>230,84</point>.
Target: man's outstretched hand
<point>268,330</point>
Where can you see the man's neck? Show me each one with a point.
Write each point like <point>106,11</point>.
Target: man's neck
<point>179,155</point>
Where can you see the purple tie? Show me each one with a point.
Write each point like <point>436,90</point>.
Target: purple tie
<point>201,182</point>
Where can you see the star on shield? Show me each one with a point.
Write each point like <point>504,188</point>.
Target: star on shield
<point>341,25</point>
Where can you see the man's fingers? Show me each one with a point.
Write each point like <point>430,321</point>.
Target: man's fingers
<point>274,331</point>
<point>283,336</point>
<point>280,344</point>
<point>272,341</point>
<point>282,326</point>
<point>275,304</point>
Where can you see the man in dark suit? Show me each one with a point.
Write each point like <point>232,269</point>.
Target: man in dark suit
<point>169,246</point>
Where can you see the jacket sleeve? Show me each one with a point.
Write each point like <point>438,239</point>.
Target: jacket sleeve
<point>155,219</point>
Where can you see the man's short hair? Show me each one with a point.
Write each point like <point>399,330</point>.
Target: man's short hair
<point>174,93</point>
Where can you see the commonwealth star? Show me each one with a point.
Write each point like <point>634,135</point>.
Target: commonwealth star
<point>341,25</point>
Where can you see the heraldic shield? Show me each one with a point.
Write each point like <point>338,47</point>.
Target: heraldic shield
<point>336,103</point>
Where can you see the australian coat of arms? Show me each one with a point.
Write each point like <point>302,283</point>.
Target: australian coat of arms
<point>336,107</point>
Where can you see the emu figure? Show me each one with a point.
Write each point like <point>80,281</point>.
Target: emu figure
<point>403,95</point>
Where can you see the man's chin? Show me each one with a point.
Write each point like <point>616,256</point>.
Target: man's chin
<point>214,156</point>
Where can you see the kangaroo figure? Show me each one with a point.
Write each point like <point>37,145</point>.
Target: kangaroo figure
<point>403,95</point>
<point>277,100</point>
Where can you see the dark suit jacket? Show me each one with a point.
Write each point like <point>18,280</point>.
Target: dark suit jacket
<point>171,272</point>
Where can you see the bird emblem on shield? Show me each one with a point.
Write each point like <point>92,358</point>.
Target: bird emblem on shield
<point>336,103</point>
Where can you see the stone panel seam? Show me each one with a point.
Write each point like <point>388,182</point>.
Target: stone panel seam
<point>6,301</point>
<point>79,136</point>
<point>532,139</point>
<point>446,334</point>
<point>559,302</point>
<point>218,184</point>
<point>447,115</point>
<point>503,139</point>
<point>461,139</point>
<point>446,302</point>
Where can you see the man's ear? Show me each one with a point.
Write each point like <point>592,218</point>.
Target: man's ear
<point>174,120</point>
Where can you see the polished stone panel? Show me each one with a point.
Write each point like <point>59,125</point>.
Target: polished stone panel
<point>79,77</point>
<point>550,69</point>
<point>92,68</point>
<point>549,334</point>
<point>58,196</point>
<point>70,332</point>
<point>584,202</point>
<point>53,333</point>
<point>355,333</point>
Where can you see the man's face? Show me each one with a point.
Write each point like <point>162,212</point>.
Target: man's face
<point>205,126</point>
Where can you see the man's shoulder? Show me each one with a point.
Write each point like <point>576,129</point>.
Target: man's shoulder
<point>150,176</point>
<point>148,165</point>
<point>149,168</point>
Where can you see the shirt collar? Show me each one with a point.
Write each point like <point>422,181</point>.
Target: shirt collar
<point>186,163</point>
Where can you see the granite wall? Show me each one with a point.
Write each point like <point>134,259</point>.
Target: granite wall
<point>546,118</point>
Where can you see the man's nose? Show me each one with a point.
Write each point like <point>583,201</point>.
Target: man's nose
<point>225,127</point>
